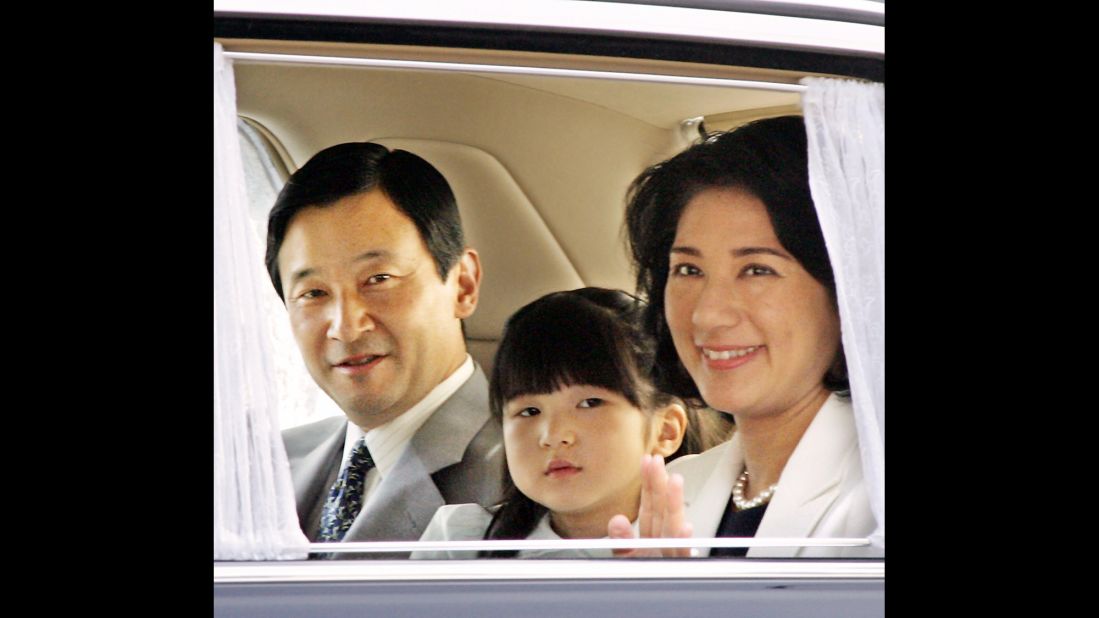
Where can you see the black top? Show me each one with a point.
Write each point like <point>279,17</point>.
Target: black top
<point>737,523</point>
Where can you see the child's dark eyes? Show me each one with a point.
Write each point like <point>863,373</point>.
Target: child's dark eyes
<point>590,402</point>
<point>528,412</point>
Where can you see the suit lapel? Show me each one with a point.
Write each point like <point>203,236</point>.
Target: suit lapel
<point>443,438</point>
<point>403,503</point>
<point>810,482</point>
<point>400,506</point>
<point>314,471</point>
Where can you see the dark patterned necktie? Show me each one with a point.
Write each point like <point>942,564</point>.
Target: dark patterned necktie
<point>345,500</point>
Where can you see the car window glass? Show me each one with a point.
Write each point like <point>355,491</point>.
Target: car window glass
<point>301,401</point>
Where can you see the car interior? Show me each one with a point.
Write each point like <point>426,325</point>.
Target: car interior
<point>539,162</point>
<point>539,142</point>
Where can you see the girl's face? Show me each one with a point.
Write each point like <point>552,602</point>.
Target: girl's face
<point>754,329</point>
<point>577,451</point>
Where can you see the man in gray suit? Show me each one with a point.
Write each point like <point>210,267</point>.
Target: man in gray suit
<point>365,247</point>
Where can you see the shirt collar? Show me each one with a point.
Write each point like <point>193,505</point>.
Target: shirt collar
<point>387,442</point>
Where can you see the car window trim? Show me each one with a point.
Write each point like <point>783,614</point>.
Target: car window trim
<point>774,42</point>
<point>546,569</point>
<point>853,11</point>
<point>781,29</point>
<point>566,544</point>
<point>424,65</point>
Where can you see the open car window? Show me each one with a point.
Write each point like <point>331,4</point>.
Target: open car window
<point>539,129</point>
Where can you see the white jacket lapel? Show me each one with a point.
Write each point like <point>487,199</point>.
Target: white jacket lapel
<point>810,482</point>
<point>708,483</point>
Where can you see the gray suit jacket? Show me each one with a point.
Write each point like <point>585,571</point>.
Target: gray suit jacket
<point>455,457</point>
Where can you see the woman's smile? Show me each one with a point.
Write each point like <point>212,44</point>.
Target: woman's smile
<point>723,358</point>
<point>755,331</point>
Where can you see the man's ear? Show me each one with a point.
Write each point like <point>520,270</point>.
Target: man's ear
<point>670,426</point>
<point>469,284</point>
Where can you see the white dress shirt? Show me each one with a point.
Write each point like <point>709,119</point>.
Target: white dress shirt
<point>387,442</point>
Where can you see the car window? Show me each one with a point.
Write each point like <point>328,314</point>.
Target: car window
<point>540,147</point>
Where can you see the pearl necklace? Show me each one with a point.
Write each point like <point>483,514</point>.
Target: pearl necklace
<point>738,493</point>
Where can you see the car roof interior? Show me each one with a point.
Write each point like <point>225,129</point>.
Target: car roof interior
<point>539,163</point>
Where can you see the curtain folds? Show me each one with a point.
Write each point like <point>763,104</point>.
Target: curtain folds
<point>845,121</point>
<point>254,512</point>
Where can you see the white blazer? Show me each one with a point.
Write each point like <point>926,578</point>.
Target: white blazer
<point>821,492</point>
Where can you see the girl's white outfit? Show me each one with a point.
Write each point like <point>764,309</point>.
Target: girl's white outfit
<point>468,522</point>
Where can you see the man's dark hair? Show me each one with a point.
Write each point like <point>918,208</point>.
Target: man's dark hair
<point>414,185</point>
<point>767,158</point>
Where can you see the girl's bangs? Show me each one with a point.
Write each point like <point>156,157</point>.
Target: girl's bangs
<point>558,342</point>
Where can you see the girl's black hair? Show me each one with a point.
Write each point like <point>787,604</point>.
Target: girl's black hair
<point>589,336</point>
<point>767,158</point>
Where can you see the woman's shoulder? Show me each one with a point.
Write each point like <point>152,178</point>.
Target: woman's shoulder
<point>691,465</point>
<point>707,476</point>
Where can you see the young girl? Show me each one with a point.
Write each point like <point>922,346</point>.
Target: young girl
<point>570,385</point>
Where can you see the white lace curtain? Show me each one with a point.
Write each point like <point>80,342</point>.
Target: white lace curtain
<point>845,121</point>
<point>254,512</point>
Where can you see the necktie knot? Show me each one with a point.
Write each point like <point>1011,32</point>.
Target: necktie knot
<point>345,499</point>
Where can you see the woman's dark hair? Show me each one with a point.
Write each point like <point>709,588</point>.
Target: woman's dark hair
<point>414,185</point>
<point>589,336</point>
<point>706,429</point>
<point>767,158</point>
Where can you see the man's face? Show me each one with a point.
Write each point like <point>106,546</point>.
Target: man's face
<point>377,327</point>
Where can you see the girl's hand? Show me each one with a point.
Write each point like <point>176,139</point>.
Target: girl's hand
<point>661,514</point>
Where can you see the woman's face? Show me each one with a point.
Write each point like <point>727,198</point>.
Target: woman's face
<point>754,329</point>
<point>577,451</point>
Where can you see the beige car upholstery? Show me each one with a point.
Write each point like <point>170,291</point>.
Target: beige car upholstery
<point>520,257</point>
<point>539,164</point>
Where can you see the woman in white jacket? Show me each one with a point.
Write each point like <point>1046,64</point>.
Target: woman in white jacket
<point>741,294</point>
